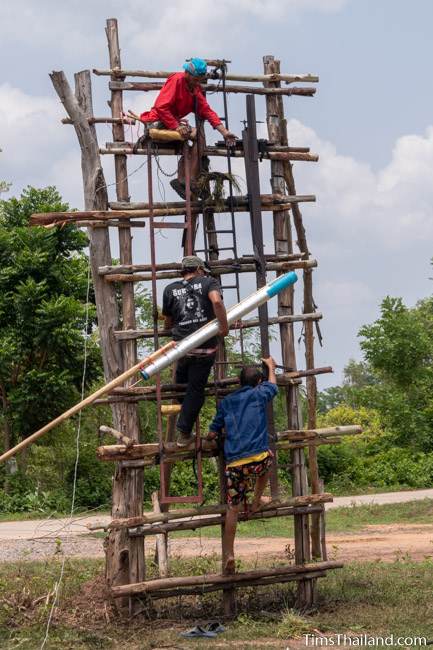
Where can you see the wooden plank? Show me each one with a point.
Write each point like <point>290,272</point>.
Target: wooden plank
<point>109,223</point>
<point>236,201</point>
<point>216,579</point>
<point>176,266</point>
<point>244,324</point>
<point>249,138</point>
<point>213,88</point>
<point>103,120</point>
<point>202,511</point>
<point>162,74</point>
<point>114,453</point>
<point>258,582</point>
<point>205,521</point>
<point>127,148</point>
<point>45,218</point>
<point>246,268</point>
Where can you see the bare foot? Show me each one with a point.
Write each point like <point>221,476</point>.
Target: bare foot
<point>264,501</point>
<point>230,566</point>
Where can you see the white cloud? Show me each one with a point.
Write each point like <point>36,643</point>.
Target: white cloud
<point>391,207</point>
<point>30,133</point>
<point>210,27</point>
<point>174,26</point>
<point>344,294</point>
<point>66,26</point>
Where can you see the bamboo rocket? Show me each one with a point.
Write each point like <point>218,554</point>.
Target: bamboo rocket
<point>194,340</point>
<point>168,354</point>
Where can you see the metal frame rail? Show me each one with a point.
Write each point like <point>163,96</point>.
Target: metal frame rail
<point>187,226</point>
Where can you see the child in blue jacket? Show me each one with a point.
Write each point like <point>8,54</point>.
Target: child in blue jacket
<point>242,415</point>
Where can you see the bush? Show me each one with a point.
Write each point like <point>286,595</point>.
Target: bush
<point>93,486</point>
<point>184,481</point>
<point>371,459</point>
<point>395,467</point>
<point>21,495</point>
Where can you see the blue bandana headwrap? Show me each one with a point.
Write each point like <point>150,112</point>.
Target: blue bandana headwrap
<point>196,67</point>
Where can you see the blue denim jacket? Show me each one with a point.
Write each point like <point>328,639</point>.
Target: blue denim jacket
<point>243,416</point>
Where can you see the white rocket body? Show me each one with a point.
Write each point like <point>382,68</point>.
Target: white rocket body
<point>236,312</point>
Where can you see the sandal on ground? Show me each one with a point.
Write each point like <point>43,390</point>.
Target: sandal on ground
<point>216,627</point>
<point>197,632</point>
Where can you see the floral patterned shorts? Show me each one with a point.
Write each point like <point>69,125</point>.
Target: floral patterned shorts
<point>241,480</point>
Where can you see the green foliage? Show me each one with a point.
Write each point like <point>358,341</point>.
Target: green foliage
<point>356,376</point>
<point>4,186</point>
<point>184,481</point>
<point>93,480</point>
<point>390,393</point>
<point>371,459</point>
<point>399,349</point>
<point>23,495</point>
<point>43,287</point>
<point>399,345</point>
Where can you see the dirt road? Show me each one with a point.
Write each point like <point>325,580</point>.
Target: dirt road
<point>38,528</point>
<point>32,540</point>
<point>387,542</point>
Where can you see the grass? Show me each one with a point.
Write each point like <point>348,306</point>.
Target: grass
<point>349,519</point>
<point>364,598</point>
<point>27,516</point>
<point>338,520</point>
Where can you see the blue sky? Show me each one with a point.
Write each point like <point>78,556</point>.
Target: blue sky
<point>371,122</point>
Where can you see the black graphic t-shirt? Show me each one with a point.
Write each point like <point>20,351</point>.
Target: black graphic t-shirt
<point>187,302</point>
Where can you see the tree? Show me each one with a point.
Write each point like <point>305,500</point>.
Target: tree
<point>356,376</point>
<point>4,187</point>
<point>43,292</point>
<point>399,348</point>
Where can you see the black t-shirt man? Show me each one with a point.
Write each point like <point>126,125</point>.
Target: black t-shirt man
<point>187,303</point>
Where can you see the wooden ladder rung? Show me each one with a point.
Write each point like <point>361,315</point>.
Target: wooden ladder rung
<point>167,224</point>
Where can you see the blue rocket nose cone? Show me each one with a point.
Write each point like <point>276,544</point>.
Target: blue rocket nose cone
<point>281,283</point>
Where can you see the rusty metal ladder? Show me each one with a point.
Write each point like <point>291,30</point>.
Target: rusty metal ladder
<point>187,226</point>
<point>232,229</point>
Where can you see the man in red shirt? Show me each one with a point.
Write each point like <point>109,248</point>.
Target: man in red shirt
<point>181,95</point>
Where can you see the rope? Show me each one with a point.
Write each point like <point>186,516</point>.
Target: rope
<point>107,185</point>
<point>58,584</point>
<point>158,164</point>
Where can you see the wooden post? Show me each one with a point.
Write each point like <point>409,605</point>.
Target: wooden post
<point>161,542</point>
<point>309,307</point>
<point>79,109</point>
<point>283,244</point>
<point>211,244</point>
<point>126,481</point>
<point>249,135</point>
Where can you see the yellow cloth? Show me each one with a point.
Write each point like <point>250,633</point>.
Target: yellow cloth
<point>249,459</point>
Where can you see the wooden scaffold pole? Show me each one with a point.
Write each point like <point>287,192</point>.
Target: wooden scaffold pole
<point>127,484</point>
<point>284,244</point>
<point>79,109</point>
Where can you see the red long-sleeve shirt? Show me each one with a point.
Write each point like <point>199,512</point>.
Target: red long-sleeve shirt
<point>176,100</point>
